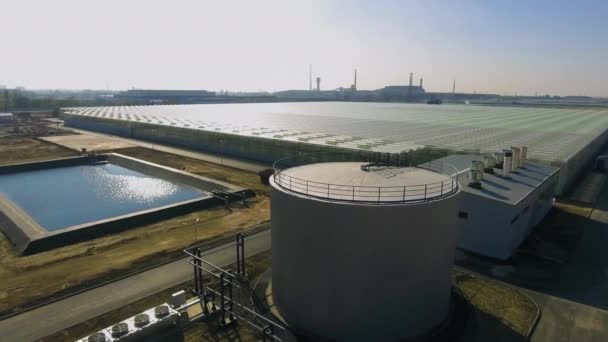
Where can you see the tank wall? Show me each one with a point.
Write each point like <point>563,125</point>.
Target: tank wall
<point>362,272</point>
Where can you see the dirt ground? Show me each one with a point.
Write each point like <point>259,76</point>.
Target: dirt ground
<point>23,150</point>
<point>77,142</point>
<point>28,280</point>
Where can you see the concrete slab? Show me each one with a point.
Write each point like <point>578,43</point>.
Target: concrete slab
<point>565,321</point>
<point>90,142</point>
<point>588,190</point>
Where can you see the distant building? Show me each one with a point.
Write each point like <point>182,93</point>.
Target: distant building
<point>310,95</point>
<point>166,96</point>
<point>6,118</point>
<point>396,93</point>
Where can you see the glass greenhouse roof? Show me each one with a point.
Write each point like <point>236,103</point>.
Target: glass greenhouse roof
<point>550,134</point>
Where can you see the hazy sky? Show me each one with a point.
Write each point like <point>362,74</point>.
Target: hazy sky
<point>549,46</point>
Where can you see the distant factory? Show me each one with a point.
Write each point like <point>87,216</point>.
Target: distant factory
<point>165,96</point>
<point>395,93</point>
<point>155,96</point>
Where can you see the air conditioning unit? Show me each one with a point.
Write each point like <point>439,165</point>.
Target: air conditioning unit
<point>138,327</point>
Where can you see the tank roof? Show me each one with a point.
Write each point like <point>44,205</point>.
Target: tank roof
<point>352,181</point>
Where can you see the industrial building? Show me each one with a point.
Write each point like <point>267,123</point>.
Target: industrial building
<point>502,201</point>
<point>165,96</point>
<point>363,251</point>
<point>6,118</point>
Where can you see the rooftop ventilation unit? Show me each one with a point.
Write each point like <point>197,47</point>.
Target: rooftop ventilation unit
<point>98,337</point>
<point>499,159</point>
<point>476,174</point>
<point>524,156</point>
<point>489,163</point>
<point>138,327</point>
<point>507,163</point>
<point>516,158</point>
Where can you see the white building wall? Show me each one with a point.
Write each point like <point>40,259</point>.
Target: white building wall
<point>496,229</point>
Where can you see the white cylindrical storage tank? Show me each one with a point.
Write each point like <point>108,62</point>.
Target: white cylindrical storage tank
<point>363,254</point>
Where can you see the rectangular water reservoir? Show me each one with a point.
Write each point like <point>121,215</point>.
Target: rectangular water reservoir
<point>48,204</point>
<point>68,196</point>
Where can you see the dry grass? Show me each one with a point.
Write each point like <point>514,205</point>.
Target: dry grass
<point>27,280</point>
<point>22,150</point>
<point>511,307</point>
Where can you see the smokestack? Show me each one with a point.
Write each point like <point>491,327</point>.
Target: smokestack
<point>411,79</point>
<point>454,88</point>
<point>355,83</point>
<point>524,156</point>
<point>507,163</point>
<point>318,83</point>
<point>421,82</point>
<point>309,77</point>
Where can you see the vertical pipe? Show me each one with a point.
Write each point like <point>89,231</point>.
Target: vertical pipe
<point>195,269</point>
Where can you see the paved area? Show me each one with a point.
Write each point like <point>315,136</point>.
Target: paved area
<point>45,320</point>
<point>584,278</point>
<point>218,159</point>
<point>90,142</point>
<point>566,321</point>
<point>575,307</point>
<point>589,188</point>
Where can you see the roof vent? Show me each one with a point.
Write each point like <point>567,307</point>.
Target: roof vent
<point>161,311</point>
<point>120,329</point>
<point>476,174</point>
<point>499,158</point>
<point>97,337</point>
<point>141,320</point>
<point>507,163</point>
<point>476,177</point>
<point>516,158</point>
<point>489,162</point>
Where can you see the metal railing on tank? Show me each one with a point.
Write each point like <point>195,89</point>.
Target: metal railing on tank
<point>362,193</point>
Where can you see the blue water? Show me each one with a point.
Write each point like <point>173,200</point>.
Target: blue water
<point>63,197</point>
